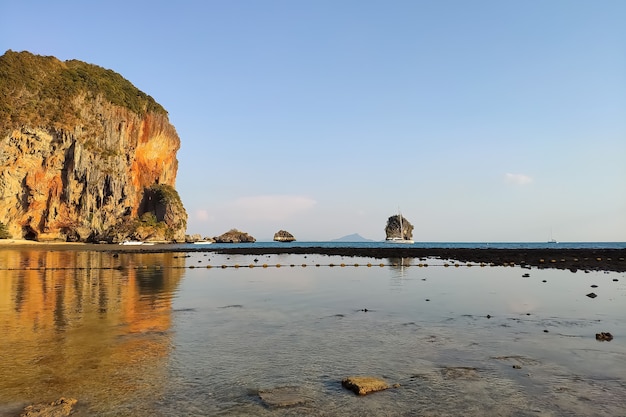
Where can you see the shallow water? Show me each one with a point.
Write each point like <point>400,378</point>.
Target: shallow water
<point>178,334</point>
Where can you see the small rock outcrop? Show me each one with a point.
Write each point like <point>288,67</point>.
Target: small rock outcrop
<point>283,236</point>
<point>197,238</point>
<point>398,227</point>
<point>283,397</point>
<point>193,238</point>
<point>362,385</point>
<point>234,236</point>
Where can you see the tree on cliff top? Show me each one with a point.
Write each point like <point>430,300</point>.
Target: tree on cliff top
<point>38,90</point>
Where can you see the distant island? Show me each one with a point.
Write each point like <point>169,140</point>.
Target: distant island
<point>355,237</point>
<point>284,236</point>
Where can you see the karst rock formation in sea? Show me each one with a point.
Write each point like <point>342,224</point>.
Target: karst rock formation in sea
<point>234,236</point>
<point>284,236</point>
<point>397,222</point>
<point>84,155</point>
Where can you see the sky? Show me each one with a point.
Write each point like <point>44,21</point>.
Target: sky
<point>481,121</point>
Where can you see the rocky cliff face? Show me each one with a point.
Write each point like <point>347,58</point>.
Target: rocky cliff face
<point>104,172</point>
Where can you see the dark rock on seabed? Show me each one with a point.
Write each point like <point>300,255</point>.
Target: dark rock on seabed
<point>572,259</point>
<point>604,336</point>
<point>59,408</point>
<point>283,397</point>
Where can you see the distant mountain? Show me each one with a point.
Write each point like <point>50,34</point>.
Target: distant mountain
<point>355,237</point>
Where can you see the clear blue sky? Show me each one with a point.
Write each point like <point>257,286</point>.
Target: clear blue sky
<point>481,120</point>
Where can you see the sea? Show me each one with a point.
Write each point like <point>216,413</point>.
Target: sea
<point>188,333</point>
<point>442,245</point>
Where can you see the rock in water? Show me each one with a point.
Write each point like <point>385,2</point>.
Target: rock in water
<point>393,227</point>
<point>84,155</point>
<point>283,397</point>
<point>459,372</point>
<point>60,408</point>
<point>604,336</point>
<point>234,236</point>
<point>283,236</point>
<point>363,385</point>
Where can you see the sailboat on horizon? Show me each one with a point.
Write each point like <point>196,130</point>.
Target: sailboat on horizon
<point>552,240</point>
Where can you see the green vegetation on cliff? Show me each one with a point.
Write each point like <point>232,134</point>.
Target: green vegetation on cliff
<point>4,233</point>
<point>160,217</point>
<point>39,90</point>
<point>166,195</point>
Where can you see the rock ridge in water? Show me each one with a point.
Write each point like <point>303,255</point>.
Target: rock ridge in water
<point>85,155</point>
<point>234,236</point>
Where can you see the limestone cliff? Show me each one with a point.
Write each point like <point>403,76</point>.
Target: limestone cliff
<point>79,162</point>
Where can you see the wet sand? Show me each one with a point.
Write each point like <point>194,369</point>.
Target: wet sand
<point>559,258</point>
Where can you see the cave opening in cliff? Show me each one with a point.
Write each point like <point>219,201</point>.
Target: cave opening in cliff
<point>28,233</point>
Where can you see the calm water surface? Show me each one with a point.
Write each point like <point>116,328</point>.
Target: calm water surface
<point>165,334</point>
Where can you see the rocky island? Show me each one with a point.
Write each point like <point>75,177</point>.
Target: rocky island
<point>283,236</point>
<point>85,155</point>
<point>234,236</point>
<point>398,227</point>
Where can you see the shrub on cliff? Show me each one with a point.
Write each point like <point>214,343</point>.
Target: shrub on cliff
<point>4,232</point>
<point>165,194</point>
<point>55,83</point>
<point>164,201</point>
<point>148,219</point>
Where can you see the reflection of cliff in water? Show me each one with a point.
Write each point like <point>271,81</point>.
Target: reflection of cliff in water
<point>399,263</point>
<point>77,322</point>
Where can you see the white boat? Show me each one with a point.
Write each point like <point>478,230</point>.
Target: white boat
<point>399,239</point>
<point>135,243</point>
<point>202,242</point>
